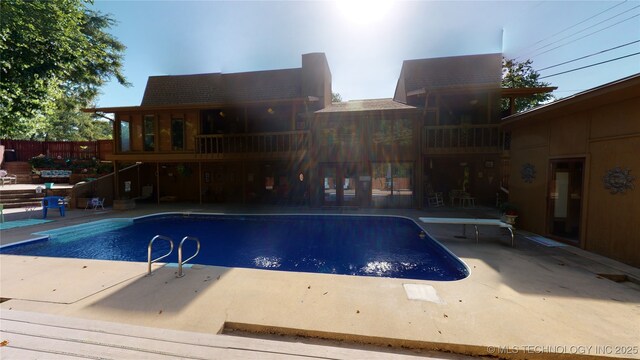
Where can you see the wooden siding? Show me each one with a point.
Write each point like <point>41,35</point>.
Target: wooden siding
<point>613,228</point>
<point>604,137</point>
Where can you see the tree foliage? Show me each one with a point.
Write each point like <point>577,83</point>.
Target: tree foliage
<point>54,57</point>
<point>522,75</point>
<point>335,97</point>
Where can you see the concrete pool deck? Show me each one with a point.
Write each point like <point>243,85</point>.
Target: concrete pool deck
<point>530,301</point>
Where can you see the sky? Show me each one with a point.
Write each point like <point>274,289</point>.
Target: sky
<point>366,41</point>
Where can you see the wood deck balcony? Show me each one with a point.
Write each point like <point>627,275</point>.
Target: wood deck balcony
<point>462,139</point>
<point>259,145</point>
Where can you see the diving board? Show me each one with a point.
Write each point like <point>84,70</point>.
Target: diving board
<point>468,221</point>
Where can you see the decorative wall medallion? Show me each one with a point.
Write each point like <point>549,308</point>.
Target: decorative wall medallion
<point>528,172</point>
<point>618,180</point>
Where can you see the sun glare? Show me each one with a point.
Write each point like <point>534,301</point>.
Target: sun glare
<point>364,11</point>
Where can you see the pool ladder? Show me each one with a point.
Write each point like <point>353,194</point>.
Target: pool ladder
<point>180,261</point>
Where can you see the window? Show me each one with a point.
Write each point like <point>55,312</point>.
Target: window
<point>392,184</point>
<point>125,136</point>
<point>149,130</point>
<point>392,132</point>
<point>177,134</point>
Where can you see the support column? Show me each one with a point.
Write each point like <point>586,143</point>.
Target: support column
<point>116,180</point>
<point>158,182</point>
<point>243,174</point>
<point>200,182</point>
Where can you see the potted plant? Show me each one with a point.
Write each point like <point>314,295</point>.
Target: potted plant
<point>510,212</point>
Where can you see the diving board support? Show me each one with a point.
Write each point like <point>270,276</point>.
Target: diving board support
<point>468,221</point>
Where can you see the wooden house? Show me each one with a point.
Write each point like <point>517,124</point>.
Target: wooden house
<point>575,165</point>
<point>459,122</point>
<point>240,138</point>
<point>275,137</point>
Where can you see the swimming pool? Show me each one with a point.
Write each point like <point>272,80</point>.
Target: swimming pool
<point>387,246</point>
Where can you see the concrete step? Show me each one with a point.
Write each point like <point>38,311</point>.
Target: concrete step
<point>20,198</point>
<point>17,205</point>
<point>12,199</point>
<point>19,194</point>
<point>37,335</point>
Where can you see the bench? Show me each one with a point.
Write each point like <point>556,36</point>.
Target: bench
<point>467,221</point>
<point>55,175</point>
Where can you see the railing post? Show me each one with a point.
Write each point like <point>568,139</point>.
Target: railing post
<point>180,262</point>
<point>149,248</point>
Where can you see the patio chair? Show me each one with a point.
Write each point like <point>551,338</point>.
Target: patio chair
<point>6,178</point>
<point>455,196</point>
<point>52,202</point>
<point>467,201</point>
<point>435,199</point>
<point>95,203</point>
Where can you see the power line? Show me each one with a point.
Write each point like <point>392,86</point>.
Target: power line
<point>590,55</point>
<point>585,29</point>
<point>588,66</point>
<point>589,34</point>
<point>574,25</point>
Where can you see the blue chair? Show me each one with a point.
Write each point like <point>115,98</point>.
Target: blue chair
<point>52,202</point>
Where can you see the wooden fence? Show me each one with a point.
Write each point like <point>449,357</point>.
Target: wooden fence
<point>23,150</point>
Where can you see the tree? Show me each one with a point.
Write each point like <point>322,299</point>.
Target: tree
<point>522,75</point>
<point>67,122</point>
<point>54,57</point>
<point>335,97</point>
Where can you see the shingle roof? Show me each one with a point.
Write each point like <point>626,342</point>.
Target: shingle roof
<point>220,88</point>
<point>619,90</point>
<point>447,72</point>
<point>365,105</point>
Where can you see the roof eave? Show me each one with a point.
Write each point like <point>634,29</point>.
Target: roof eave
<point>527,91</point>
<point>574,99</point>
<point>453,89</point>
<point>194,106</point>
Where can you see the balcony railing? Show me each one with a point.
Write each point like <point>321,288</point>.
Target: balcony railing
<point>453,139</point>
<point>273,144</point>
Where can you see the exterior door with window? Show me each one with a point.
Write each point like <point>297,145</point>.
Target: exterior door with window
<point>565,199</point>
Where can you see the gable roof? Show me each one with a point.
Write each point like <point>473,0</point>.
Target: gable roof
<point>484,70</point>
<point>220,88</point>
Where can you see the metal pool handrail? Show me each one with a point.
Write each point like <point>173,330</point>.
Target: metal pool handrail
<point>180,262</point>
<point>161,257</point>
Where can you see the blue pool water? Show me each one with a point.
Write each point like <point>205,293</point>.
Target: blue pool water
<point>385,246</point>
